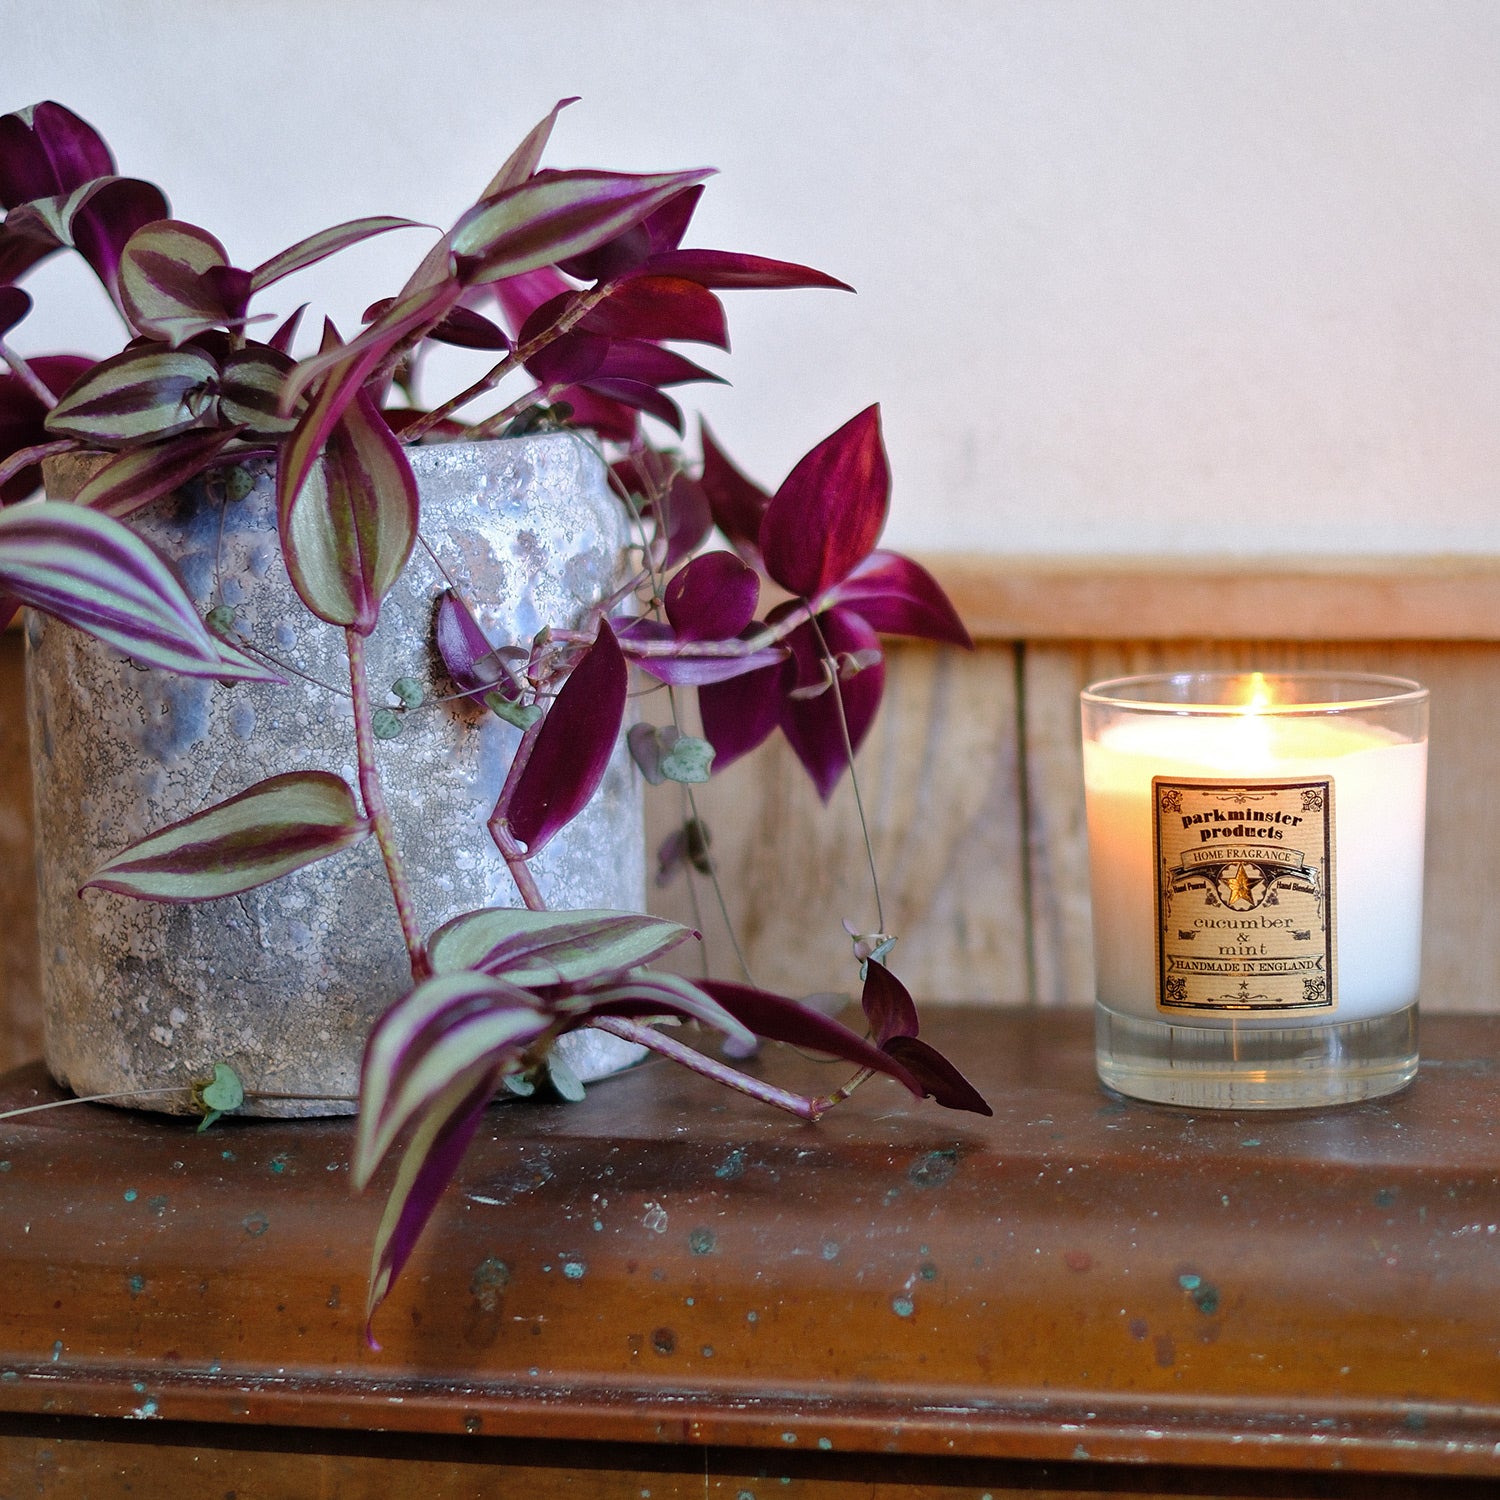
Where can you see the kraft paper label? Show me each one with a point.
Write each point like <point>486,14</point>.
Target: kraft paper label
<point>1244,898</point>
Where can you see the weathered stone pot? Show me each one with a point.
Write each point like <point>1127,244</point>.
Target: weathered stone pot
<point>284,981</point>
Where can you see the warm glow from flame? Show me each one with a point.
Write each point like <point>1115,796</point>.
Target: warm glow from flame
<point>1260,694</point>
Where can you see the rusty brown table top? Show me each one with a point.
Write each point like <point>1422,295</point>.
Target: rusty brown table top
<point>1081,1279</point>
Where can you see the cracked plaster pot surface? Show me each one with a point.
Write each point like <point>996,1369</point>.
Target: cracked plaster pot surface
<point>284,981</point>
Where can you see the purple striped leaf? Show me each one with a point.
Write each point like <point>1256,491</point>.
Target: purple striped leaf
<point>47,149</point>
<point>138,476</point>
<point>712,598</point>
<point>166,285</point>
<point>536,949</point>
<point>428,1164</point>
<point>524,160</point>
<point>341,371</point>
<point>644,996</point>
<point>90,571</point>
<point>139,396</point>
<point>810,720</point>
<point>267,831</point>
<point>896,596</point>
<point>828,514</point>
<point>319,246</point>
<point>554,215</point>
<point>250,388</point>
<point>347,532</point>
<point>573,745</point>
<point>446,1027</point>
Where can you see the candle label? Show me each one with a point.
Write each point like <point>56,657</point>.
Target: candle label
<point>1244,898</point>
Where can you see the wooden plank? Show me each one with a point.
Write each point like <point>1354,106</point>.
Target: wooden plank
<point>669,1263</point>
<point>1461,940</point>
<point>939,778</point>
<point>20,993</point>
<point>1224,599</point>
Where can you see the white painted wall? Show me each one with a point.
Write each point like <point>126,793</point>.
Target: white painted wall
<point>1134,275</point>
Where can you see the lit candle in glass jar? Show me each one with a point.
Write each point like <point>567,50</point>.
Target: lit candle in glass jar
<point>1256,848</point>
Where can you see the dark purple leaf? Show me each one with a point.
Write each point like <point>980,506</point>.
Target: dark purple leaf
<point>466,329</point>
<point>661,230</point>
<point>738,505</point>
<point>712,598</point>
<point>520,296</point>
<point>47,150</point>
<point>726,270</point>
<point>106,218</point>
<point>573,745</point>
<point>887,1004</point>
<point>22,415</point>
<point>738,715</point>
<point>828,514</point>
<point>649,643</point>
<point>281,340</point>
<point>568,358</point>
<point>896,596</point>
<point>660,307</point>
<point>640,397</point>
<point>939,1079</point>
<point>778,1019</point>
<point>468,656</point>
<point>21,247</point>
<point>613,421</point>
<point>650,364</point>
<point>687,518</point>
<point>14,305</point>
<point>811,723</point>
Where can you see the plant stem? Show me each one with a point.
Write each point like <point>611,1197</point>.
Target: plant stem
<point>668,1046</point>
<point>373,795</point>
<point>831,667</point>
<point>27,376</point>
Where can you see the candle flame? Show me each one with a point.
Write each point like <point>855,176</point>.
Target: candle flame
<point>1260,694</point>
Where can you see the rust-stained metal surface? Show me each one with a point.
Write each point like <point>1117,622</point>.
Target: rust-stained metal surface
<point>1081,1280</point>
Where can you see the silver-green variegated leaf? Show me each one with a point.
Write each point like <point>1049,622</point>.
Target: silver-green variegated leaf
<point>139,396</point>
<point>162,285</point>
<point>448,1026</point>
<point>319,246</point>
<point>555,215</point>
<point>267,831</point>
<point>347,532</point>
<point>539,948</point>
<point>525,159</point>
<point>250,390</point>
<point>90,571</point>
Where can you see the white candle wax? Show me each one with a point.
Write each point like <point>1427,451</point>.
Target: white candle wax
<point>1379,804</point>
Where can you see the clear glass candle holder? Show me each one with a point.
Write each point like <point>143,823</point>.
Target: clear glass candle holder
<point>1255,851</point>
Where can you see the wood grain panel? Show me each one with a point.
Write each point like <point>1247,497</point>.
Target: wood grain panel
<point>1224,599</point>
<point>940,782</point>
<point>20,1001</point>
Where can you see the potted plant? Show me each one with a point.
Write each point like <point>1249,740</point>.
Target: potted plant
<point>576,281</point>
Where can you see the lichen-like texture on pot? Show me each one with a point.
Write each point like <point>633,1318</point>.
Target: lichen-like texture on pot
<point>284,981</point>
